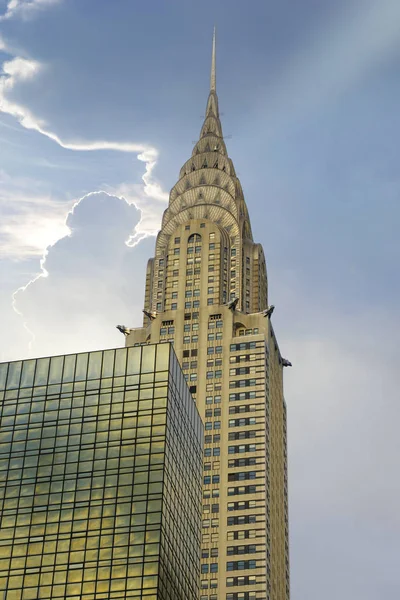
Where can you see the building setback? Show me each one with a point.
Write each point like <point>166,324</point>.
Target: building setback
<point>100,477</point>
<point>207,292</point>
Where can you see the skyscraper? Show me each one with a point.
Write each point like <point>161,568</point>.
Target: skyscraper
<point>100,477</point>
<point>207,292</point>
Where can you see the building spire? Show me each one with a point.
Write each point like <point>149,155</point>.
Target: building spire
<point>213,83</point>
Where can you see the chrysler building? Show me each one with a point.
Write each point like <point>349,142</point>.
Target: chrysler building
<point>207,292</point>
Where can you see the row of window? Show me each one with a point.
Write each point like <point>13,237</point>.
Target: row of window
<point>215,465</point>
<point>243,462</point>
<point>212,425</point>
<point>244,489</point>
<point>207,552</point>
<point>236,581</point>
<point>214,349</point>
<point>217,399</point>
<point>243,346</point>
<point>211,568</point>
<point>244,358</point>
<point>216,412</point>
<point>242,383</point>
<point>210,479</point>
<point>211,374</point>
<point>241,565</point>
<point>241,435</point>
<point>235,596</point>
<point>242,422</point>
<point>167,330</point>
<point>214,508</point>
<point>210,523</point>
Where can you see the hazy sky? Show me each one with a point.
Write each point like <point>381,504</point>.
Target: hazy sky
<point>100,102</point>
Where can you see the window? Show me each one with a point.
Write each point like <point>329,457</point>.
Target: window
<point>245,489</point>
<point>207,479</point>
<point>240,565</point>
<point>217,424</point>
<point>177,240</point>
<point>174,306</point>
<point>218,349</point>
<point>174,295</point>
<point>210,350</point>
<point>211,246</point>
<point>242,476</point>
<point>241,449</point>
<point>216,451</point>
<point>241,520</point>
<point>241,435</point>
<point>215,478</point>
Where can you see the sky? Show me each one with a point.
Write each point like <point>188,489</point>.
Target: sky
<point>100,103</point>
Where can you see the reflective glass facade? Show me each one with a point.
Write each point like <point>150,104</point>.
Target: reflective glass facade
<point>100,477</point>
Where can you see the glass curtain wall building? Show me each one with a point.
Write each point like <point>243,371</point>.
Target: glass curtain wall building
<point>100,477</point>
<point>207,291</point>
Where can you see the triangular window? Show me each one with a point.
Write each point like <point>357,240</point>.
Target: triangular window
<point>202,180</point>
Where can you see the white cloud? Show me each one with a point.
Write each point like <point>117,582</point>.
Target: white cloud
<point>25,8</point>
<point>88,279</point>
<point>31,218</point>
<point>19,71</point>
